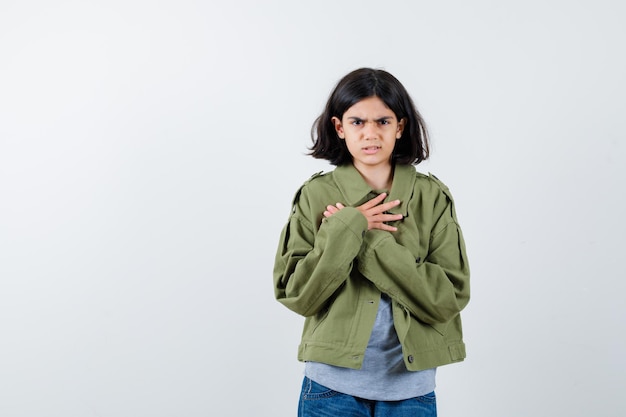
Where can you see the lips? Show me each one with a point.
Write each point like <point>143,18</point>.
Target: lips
<point>369,150</point>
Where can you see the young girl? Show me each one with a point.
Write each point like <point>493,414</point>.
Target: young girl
<point>373,257</point>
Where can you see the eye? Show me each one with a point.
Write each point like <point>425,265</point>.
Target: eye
<point>384,122</point>
<point>357,122</point>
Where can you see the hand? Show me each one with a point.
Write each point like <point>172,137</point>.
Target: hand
<point>373,211</point>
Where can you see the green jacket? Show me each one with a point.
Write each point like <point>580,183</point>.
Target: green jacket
<point>333,270</point>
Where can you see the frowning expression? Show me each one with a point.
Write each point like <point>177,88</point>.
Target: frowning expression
<point>370,130</point>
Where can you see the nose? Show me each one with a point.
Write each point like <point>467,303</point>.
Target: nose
<point>370,130</point>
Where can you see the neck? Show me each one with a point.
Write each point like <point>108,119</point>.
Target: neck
<point>379,177</point>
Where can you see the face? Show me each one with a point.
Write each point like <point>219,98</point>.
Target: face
<point>370,130</point>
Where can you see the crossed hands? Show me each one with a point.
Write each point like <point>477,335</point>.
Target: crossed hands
<point>374,211</point>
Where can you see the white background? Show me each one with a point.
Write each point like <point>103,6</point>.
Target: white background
<point>149,151</point>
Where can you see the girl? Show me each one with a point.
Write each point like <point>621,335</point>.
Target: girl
<point>373,257</point>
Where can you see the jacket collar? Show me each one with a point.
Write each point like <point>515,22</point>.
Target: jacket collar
<point>355,190</point>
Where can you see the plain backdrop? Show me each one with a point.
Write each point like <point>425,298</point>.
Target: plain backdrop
<point>149,152</point>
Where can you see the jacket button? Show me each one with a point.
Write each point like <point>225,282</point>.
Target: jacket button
<point>418,259</point>
<point>410,358</point>
<point>363,233</point>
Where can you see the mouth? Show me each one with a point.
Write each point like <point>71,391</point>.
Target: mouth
<point>369,150</point>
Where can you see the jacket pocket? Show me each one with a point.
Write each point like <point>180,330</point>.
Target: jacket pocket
<point>318,319</point>
<point>440,328</point>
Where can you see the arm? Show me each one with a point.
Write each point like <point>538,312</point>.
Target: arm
<point>434,290</point>
<point>311,265</point>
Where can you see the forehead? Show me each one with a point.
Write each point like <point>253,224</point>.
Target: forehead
<point>372,107</point>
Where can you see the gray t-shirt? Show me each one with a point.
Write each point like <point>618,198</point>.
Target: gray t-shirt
<point>383,376</point>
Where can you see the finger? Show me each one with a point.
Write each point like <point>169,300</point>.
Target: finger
<point>373,202</point>
<point>380,208</point>
<point>390,204</point>
<point>340,206</point>
<point>384,207</point>
<point>388,217</point>
<point>384,226</point>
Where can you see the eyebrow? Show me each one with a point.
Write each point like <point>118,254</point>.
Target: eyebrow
<point>377,119</point>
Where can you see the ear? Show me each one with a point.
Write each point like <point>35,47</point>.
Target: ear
<point>338,127</point>
<point>401,125</point>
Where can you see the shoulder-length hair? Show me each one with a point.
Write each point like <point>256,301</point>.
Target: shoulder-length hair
<point>413,146</point>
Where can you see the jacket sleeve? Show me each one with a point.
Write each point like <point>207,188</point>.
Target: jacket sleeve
<point>434,289</point>
<point>310,265</point>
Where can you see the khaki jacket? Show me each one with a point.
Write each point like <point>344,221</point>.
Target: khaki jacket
<point>333,270</point>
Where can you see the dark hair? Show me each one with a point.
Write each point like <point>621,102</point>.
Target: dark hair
<point>411,149</point>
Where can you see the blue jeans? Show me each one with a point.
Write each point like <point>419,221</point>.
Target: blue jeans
<point>318,401</point>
